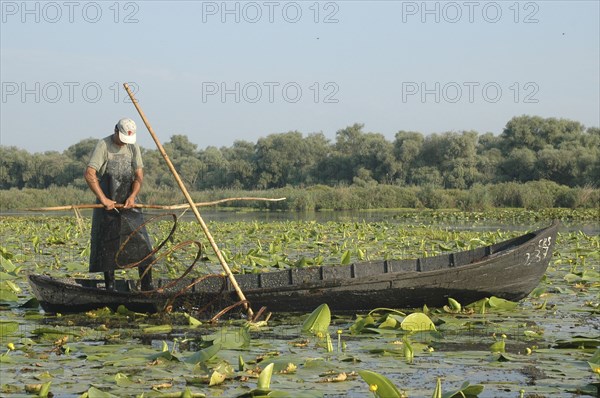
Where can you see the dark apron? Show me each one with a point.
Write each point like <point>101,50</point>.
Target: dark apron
<point>110,229</point>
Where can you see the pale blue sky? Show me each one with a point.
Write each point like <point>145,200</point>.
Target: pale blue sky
<point>378,63</point>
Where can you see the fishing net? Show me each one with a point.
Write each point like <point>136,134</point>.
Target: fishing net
<point>194,290</point>
<point>111,228</point>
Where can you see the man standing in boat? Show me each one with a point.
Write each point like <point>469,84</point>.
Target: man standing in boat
<point>115,175</point>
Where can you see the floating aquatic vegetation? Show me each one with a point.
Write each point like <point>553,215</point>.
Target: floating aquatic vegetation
<point>123,353</point>
<point>318,321</point>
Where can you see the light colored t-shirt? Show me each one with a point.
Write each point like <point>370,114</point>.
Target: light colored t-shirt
<point>106,146</point>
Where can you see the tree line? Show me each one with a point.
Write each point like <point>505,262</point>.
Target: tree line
<point>530,148</point>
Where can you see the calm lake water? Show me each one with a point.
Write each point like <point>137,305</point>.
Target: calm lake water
<point>391,216</point>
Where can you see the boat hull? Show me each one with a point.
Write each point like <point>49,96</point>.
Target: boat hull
<point>510,270</point>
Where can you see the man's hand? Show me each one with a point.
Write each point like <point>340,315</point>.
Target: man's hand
<point>136,185</point>
<point>130,202</point>
<point>92,181</point>
<point>108,204</point>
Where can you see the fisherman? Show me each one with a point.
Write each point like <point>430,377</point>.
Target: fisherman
<point>115,175</point>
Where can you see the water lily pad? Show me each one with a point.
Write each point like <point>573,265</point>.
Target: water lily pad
<point>453,306</point>
<point>158,329</point>
<point>417,322</point>
<point>6,276</point>
<point>93,392</point>
<point>503,357</point>
<point>7,294</point>
<point>407,349</point>
<point>595,357</point>
<point>346,258</point>
<point>231,338</point>
<point>437,393</point>
<point>123,380</point>
<point>384,387</point>
<point>204,354</point>
<point>166,355</point>
<point>361,323</point>
<point>590,275</point>
<point>465,391</point>
<point>538,291</point>
<point>498,346</point>
<point>264,379</point>
<point>390,322</point>
<point>7,328</point>
<point>501,304</point>
<point>6,264</point>
<point>216,378</point>
<point>318,321</point>
<point>192,321</point>
<point>532,334</point>
<point>52,332</point>
<point>577,342</point>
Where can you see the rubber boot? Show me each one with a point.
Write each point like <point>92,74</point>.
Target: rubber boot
<point>146,279</point>
<point>109,280</point>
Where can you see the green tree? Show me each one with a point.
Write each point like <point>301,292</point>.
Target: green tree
<point>190,170</point>
<point>347,147</point>
<point>283,159</point>
<point>377,156</point>
<point>180,146</point>
<point>530,148</point>
<point>242,168</point>
<point>425,175</point>
<point>156,172</point>
<point>14,165</point>
<point>454,155</point>
<point>487,142</point>
<point>488,162</point>
<point>519,165</point>
<point>213,168</point>
<point>52,169</point>
<point>319,148</point>
<point>536,133</point>
<point>81,151</point>
<point>407,147</point>
<point>557,165</point>
<point>588,158</point>
<point>460,159</point>
<point>330,170</point>
<point>355,150</point>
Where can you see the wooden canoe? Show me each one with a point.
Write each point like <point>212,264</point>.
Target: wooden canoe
<point>509,269</point>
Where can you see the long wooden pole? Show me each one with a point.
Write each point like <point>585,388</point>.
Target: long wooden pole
<point>145,206</point>
<point>191,203</point>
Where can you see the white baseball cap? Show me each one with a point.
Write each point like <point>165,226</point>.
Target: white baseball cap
<point>126,128</point>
